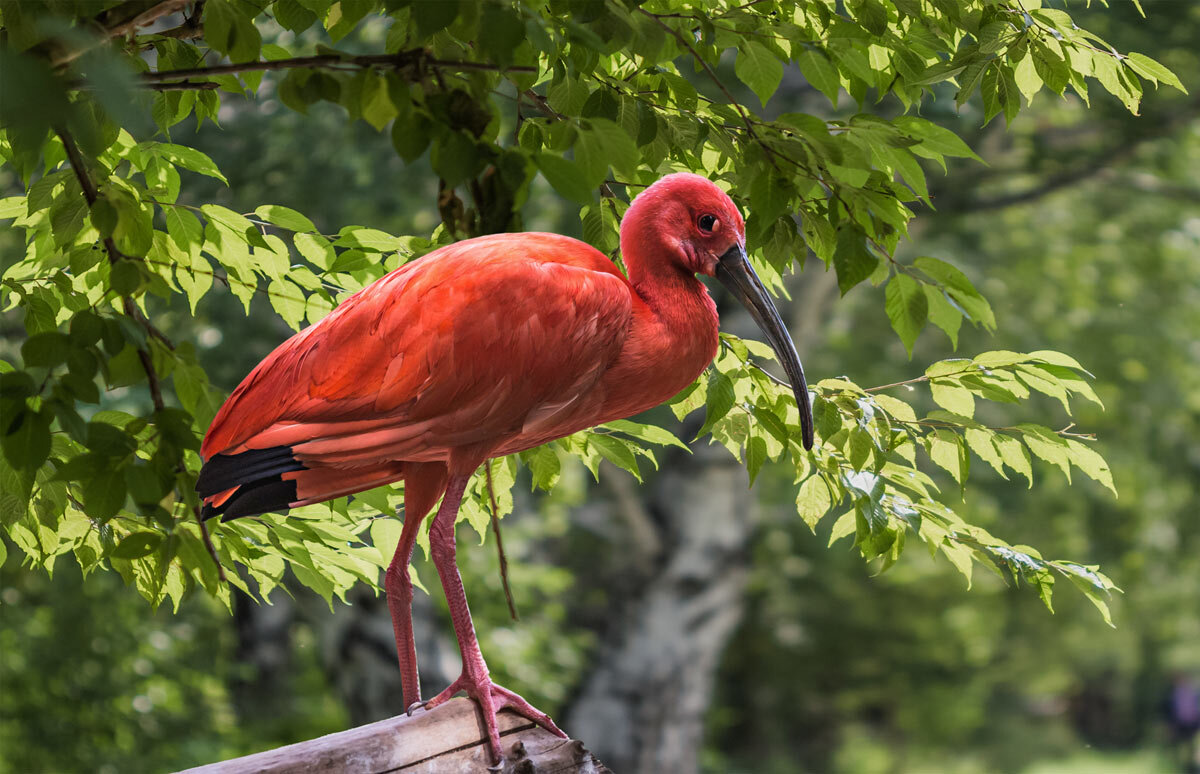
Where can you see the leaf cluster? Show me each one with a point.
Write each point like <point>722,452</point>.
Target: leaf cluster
<point>597,99</point>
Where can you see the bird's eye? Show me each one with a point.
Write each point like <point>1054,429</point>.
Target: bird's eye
<point>707,223</point>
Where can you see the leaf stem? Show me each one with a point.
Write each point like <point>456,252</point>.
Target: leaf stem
<point>512,607</point>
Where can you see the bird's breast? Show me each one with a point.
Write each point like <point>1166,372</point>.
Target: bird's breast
<point>670,343</point>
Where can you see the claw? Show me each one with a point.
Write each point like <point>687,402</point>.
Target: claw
<point>415,705</point>
<point>490,699</point>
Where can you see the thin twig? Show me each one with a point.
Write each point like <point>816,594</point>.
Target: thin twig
<point>212,550</point>
<point>184,86</point>
<point>713,77</point>
<point>90,193</point>
<point>141,19</point>
<point>512,607</point>
<point>397,60</point>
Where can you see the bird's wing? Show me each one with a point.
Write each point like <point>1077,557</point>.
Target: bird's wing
<point>475,342</point>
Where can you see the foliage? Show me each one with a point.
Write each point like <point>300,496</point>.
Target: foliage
<point>832,667</point>
<point>498,94</point>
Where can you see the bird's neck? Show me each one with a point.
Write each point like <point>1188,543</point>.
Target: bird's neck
<point>674,295</point>
<point>672,339</point>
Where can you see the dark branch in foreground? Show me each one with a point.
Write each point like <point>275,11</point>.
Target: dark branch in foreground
<point>141,17</point>
<point>416,58</point>
<point>91,193</point>
<point>208,544</point>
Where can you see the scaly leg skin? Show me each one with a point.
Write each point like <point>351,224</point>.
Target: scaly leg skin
<point>423,485</point>
<point>399,598</point>
<point>474,680</point>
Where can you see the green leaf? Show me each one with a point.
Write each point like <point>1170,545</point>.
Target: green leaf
<point>230,31</point>
<point>907,308</point>
<point>852,260</point>
<point>615,451</point>
<point>431,17</point>
<point>937,139</point>
<point>718,402</point>
<point>504,33</point>
<point>188,158</point>
<point>947,451</point>
<point>288,301</point>
<point>371,239</point>
<point>26,439</point>
<point>871,15</point>
<point>980,442</point>
<point>12,207</point>
<point>758,68</point>
<point>953,398</point>
<point>1046,444</point>
<point>293,16</point>
<point>376,104</point>
<point>315,248</point>
<point>960,289</point>
<point>1015,455</point>
<point>1059,359</point>
<point>67,216</point>
<point>1149,68</point>
<point>104,495</point>
<point>942,313</point>
<point>603,144</point>
<point>1027,79</point>
<point>137,545</point>
<point>567,177</point>
<point>1091,463</point>
<point>1093,585</point>
<point>820,72</point>
<point>284,217</point>
<point>544,466</point>
<point>813,500</point>
<point>46,350</point>
<point>649,433</point>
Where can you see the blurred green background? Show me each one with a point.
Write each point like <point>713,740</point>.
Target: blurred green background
<point>1084,233</point>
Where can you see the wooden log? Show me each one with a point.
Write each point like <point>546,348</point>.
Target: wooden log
<point>447,740</point>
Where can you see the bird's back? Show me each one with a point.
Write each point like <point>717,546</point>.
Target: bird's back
<point>465,347</point>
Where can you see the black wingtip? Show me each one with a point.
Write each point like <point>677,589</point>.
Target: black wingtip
<point>260,497</point>
<point>223,472</point>
<point>258,477</point>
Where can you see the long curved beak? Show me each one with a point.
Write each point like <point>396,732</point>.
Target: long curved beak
<point>735,273</point>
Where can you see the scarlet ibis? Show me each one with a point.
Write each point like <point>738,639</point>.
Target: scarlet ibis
<point>483,348</point>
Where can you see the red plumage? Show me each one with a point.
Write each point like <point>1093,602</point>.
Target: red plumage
<point>483,348</point>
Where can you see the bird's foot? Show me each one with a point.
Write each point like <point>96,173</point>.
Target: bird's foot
<point>492,698</point>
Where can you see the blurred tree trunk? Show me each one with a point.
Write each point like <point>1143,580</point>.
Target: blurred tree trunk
<point>642,706</point>
<point>688,538</point>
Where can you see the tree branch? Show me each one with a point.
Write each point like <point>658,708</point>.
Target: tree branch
<point>208,544</point>
<point>141,17</point>
<point>91,193</point>
<point>184,86</point>
<point>413,58</point>
<point>713,77</point>
<point>512,607</point>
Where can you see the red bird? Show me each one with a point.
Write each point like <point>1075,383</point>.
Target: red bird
<point>479,349</point>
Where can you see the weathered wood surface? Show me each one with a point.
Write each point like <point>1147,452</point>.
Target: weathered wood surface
<point>448,739</point>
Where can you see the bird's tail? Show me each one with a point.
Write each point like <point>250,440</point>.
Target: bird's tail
<point>265,480</point>
<point>249,483</point>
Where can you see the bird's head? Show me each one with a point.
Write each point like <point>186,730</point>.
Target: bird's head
<point>684,222</point>
<point>691,217</point>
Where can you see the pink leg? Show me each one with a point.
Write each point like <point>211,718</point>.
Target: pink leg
<point>423,484</point>
<point>474,680</point>
<point>399,597</point>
